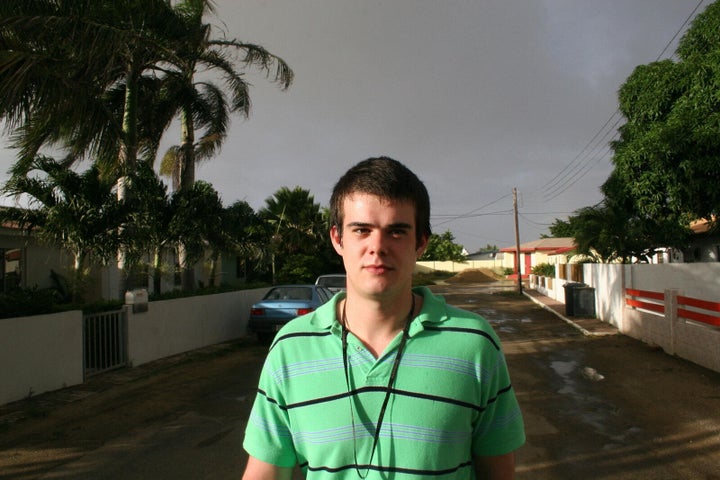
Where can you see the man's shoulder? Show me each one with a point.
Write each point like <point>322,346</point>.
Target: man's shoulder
<point>316,324</point>
<point>437,309</point>
<point>459,324</point>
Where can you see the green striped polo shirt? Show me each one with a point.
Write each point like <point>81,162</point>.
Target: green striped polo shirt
<point>452,399</point>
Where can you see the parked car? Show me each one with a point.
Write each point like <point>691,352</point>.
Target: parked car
<point>281,304</point>
<point>335,282</point>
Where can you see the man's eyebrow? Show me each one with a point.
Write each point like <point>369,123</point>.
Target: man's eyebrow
<point>401,225</point>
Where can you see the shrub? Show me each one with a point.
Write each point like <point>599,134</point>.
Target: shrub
<point>24,302</point>
<point>544,270</point>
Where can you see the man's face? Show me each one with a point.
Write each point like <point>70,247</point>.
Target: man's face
<point>378,245</point>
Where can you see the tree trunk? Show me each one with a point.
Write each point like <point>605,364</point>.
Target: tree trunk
<point>76,284</point>
<point>187,180</point>
<point>127,158</point>
<point>157,274</point>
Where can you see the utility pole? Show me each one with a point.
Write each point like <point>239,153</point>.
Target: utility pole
<point>517,242</point>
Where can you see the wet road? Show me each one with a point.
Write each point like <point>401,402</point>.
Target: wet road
<point>595,408</point>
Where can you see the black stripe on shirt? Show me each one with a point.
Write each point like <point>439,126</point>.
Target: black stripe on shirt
<point>389,469</point>
<point>465,330</point>
<point>405,393</point>
<point>299,334</point>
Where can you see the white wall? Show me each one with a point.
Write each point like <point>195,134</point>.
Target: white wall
<point>45,352</point>
<point>170,327</point>
<point>699,280</point>
<point>39,354</point>
<point>431,266</point>
<point>608,282</point>
<point>690,340</point>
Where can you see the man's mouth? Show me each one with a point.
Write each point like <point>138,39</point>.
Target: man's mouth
<point>377,269</point>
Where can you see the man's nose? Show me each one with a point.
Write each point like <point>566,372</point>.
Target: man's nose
<point>378,242</point>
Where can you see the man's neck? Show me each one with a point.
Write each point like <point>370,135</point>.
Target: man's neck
<point>376,322</point>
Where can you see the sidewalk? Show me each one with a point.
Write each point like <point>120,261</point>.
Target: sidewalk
<point>587,325</point>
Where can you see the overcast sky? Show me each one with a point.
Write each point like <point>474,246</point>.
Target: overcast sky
<point>476,96</point>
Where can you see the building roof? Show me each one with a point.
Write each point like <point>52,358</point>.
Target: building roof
<point>546,245</point>
<point>702,226</point>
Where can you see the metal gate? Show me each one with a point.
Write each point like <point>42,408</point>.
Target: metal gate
<point>104,342</point>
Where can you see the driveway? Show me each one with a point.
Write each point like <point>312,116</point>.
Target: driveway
<point>595,407</point>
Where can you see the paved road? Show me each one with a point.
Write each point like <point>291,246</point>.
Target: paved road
<point>596,408</point>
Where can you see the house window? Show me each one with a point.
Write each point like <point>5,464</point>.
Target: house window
<point>10,268</point>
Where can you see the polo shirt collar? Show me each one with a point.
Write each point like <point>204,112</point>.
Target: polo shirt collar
<point>434,311</point>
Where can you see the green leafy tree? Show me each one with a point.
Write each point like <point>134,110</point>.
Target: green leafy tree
<point>615,230</point>
<point>77,212</point>
<point>560,229</point>
<point>668,153</point>
<point>443,248</point>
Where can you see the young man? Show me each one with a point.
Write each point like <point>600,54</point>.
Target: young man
<point>384,381</point>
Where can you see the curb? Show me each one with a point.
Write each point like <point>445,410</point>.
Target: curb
<point>582,330</point>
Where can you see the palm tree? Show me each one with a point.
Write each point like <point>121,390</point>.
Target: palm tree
<point>72,73</point>
<point>202,104</point>
<point>246,234</point>
<point>197,224</point>
<point>74,211</point>
<point>148,232</point>
<point>296,222</point>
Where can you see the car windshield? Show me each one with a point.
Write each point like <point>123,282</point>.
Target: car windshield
<point>289,293</point>
<point>338,282</point>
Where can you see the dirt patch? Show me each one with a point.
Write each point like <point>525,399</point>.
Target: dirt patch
<point>475,275</point>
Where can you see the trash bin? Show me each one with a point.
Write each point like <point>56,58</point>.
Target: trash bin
<point>584,301</point>
<point>570,297</point>
<point>579,300</point>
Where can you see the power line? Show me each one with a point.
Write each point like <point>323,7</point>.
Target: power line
<point>585,168</point>
<point>580,165</point>
<point>471,212</point>
<point>473,215</point>
<point>533,222</point>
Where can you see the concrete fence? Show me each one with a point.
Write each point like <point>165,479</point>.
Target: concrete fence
<point>45,352</point>
<point>40,353</point>
<point>675,306</point>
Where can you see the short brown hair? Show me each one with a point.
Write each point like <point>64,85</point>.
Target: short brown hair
<point>388,179</point>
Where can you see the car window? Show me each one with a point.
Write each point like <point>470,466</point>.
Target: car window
<point>332,281</point>
<point>274,294</point>
<point>289,293</point>
<point>324,294</point>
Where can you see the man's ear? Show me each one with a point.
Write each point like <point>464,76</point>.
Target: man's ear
<point>422,245</point>
<point>336,239</point>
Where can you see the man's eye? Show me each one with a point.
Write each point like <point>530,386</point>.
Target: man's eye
<point>398,232</point>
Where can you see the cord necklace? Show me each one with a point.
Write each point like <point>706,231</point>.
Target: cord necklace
<point>391,382</point>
